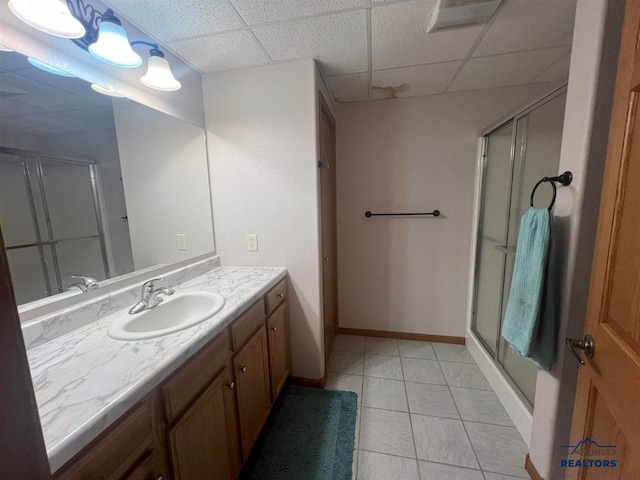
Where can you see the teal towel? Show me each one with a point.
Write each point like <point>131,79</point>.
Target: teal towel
<point>520,324</point>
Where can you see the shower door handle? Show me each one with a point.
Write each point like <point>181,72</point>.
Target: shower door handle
<point>586,345</point>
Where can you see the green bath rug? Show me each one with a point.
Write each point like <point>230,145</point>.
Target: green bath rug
<point>309,436</point>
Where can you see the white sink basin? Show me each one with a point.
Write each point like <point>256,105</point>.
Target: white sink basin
<point>177,312</point>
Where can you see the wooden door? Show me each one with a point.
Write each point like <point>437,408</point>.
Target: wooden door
<point>327,167</point>
<point>204,441</point>
<point>606,417</point>
<point>279,349</point>
<point>252,388</point>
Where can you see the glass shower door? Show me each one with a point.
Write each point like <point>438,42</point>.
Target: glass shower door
<point>516,156</point>
<point>492,234</point>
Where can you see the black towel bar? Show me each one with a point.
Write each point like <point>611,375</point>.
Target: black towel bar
<point>435,213</point>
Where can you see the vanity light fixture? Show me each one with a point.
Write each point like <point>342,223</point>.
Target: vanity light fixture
<point>105,91</point>
<point>100,33</point>
<point>159,75</point>
<point>49,16</point>
<point>112,45</point>
<point>49,68</point>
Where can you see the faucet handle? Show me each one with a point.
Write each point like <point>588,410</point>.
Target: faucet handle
<point>150,283</point>
<point>89,282</point>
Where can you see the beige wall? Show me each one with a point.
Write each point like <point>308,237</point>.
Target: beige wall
<point>585,134</point>
<point>262,125</point>
<point>411,155</point>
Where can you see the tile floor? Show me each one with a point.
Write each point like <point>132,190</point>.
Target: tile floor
<point>425,412</point>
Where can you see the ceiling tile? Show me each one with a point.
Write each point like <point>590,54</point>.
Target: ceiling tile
<point>422,80</point>
<point>10,61</point>
<point>557,72</point>
<point>398,36</point>
<point>75,86</point>
<point>225,51</point>
<point>349,88</point>
<point>339,41</point>
<point>41,95</point>
<point>9,108</point>
<point>261,11</point>
<point>506,70</point>
<point>527,25</point>
<point>169,20</point>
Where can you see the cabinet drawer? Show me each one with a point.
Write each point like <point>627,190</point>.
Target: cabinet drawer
<point>246,325</point>
<point>119,450</point>
<point>275,296</point>
<point>185,385</point>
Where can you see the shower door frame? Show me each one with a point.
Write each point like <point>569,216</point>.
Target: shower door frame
<point>511,118</point>
<point>22,158</point>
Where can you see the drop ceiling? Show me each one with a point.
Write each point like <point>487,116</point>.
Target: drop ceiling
<point>360,44</point>
<point>35,102</point>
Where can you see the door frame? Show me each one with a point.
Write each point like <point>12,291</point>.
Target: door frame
<point>325,115</point>
<point>22,444</point>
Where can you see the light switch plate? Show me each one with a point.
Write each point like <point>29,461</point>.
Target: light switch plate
<point>181,240</point>
<point>252,242</point>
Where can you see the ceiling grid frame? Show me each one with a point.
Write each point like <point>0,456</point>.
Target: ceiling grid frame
<point>341,75</point>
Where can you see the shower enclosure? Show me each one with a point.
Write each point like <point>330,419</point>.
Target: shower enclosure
<point>51,222</point>
<point>516,154</point>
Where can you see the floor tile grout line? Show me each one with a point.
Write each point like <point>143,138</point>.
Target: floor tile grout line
<point>463,425</point>
<point>405,356</point>
<point>413,434</point>
<point>432,461</point>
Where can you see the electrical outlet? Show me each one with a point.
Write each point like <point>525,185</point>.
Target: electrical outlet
<point>181,240</point>
<point>252,242</point>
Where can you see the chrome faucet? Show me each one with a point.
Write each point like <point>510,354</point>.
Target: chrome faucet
<point>88,283</point>
<point>150,296</point>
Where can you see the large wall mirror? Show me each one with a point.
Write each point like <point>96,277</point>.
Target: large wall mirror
<point>93,185</point>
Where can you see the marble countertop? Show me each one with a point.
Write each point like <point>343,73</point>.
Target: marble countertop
<point>85,380</point>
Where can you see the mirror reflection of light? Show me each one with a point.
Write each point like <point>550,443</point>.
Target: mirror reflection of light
<point>49,16</point>
<point>49,68</point>
<point>4,49</point>
<point>105,91</point>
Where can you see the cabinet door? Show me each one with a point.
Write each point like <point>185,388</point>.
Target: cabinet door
<point>253,388</point>
<point>204,440</point>
<point>149,468</point>
<point>279,350</point>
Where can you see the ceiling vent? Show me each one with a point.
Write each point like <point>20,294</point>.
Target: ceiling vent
<point>458,13</point>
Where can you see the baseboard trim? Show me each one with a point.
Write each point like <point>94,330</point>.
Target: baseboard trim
<point>424,337</point>
<point>308,382</point>
<point>531,469</point>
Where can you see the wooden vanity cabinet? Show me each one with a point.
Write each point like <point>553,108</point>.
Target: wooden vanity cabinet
<point>251,366</point>
<point>204,441</point>
<point>131,450</point>
<point>279,348</point>
<point>201,422</point>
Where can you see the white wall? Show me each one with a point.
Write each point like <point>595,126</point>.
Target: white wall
<point>262,125</point>
<point>185,104</point>
<point>410,155</point>
<point>166,187</point>
<point>589,97</point>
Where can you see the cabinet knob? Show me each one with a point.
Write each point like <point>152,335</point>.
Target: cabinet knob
<point>232,385</point>
<point>274,328</point>
<point>281,295</point>
<point>243,369</point>
<point>160,477</point>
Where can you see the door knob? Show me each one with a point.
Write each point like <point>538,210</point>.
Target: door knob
<point>586,345</point>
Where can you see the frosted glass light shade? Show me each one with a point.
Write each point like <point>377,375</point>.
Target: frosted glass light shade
<point>113,47</point>
<point>49,16</point>
<point>4,49</point>
<point>105,91</point>
<point>49,68</point>
<point>159,75</point>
